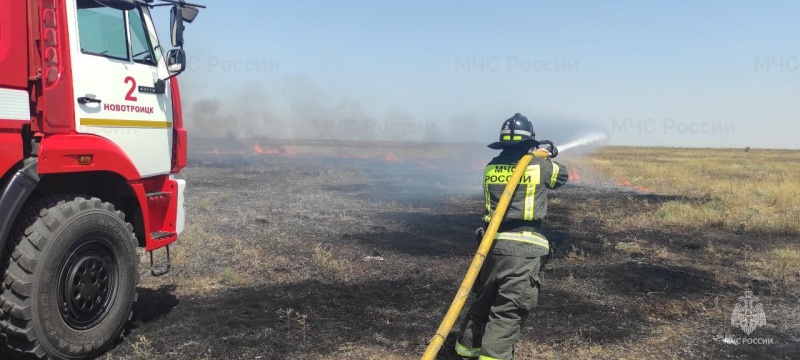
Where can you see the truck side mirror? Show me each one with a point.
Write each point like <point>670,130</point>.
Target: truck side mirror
<point>176,61</point>
<point>176,64</point>
<point>176,26</point>
<point>189,13</point>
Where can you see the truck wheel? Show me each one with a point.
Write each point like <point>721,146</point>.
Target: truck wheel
<point>70,278</point>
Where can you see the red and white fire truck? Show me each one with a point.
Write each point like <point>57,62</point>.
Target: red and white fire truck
<point>91,138</point>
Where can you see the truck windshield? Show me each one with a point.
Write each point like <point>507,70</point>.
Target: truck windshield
<point>102,31</point>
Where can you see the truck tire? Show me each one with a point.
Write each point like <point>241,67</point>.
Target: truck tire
<point>71,271</point>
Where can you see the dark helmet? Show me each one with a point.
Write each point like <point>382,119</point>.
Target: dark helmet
<point>516,130</point>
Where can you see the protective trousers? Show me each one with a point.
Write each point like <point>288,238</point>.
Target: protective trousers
<point>507,290</point>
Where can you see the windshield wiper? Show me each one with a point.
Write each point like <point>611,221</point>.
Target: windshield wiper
<point>103,54</point>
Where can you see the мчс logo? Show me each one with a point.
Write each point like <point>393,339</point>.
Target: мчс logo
<point>748,313</point>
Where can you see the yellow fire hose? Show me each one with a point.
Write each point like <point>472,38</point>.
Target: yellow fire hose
<point>477,262</point>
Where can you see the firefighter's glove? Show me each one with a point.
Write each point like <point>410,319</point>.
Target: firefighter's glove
<point>479,234</point>
<point>541,153</point>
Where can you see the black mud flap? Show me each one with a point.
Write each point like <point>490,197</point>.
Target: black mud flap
<point>14,196</point>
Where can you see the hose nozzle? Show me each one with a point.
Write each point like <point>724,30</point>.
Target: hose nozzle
<point>551,148</point>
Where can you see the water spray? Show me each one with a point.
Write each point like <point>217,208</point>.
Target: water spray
<point>585,140</point>
<point>581,141</point>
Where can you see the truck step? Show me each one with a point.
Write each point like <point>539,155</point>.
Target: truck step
<point>158,198</point>
<point>156,194</point>
<point>162,270</point>
<point>158,235</point>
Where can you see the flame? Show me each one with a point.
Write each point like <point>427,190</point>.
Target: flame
<point>390,157</point>
<point>627,183</point>
<point>257,149</point>
<point>623,182</point>
<point>574,175</point>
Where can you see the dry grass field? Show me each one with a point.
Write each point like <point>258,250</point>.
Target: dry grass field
<point>349,251</point>
<point>755,191</point>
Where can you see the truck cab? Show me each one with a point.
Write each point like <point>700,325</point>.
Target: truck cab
<point>91,141</point>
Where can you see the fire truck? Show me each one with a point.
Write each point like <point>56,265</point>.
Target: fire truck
<point>91,140</point>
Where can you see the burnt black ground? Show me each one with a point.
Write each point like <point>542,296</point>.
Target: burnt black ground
<point>273,265</point>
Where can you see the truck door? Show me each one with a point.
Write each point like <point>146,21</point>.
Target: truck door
<point>116,61</point>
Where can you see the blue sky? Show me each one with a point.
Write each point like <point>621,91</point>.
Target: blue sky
<point>704,73</point>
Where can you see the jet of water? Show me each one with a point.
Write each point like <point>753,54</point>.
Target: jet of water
<point>584,140</point>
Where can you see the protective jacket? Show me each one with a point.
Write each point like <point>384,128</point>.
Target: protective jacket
<point>528,206</point>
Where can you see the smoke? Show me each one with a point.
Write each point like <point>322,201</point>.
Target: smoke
<point>297,109</point>
<point>441,145</point>
<point>245,113</point>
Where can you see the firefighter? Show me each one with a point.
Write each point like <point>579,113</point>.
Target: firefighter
<point>508,285</point>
